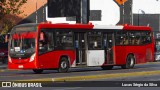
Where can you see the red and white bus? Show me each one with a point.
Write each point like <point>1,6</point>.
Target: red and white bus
<point>48,46</point>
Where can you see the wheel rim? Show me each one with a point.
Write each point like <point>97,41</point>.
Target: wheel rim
<point>131,62</point>
<point>63,65</point>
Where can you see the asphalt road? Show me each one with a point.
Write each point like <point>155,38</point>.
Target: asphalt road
<point>142,72</point>
<point>9,75</point>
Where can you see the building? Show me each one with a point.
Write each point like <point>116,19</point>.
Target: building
<point>106,12</point>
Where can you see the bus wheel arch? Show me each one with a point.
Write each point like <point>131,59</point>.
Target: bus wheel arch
<point>64,64</point>
<point>130,61</point>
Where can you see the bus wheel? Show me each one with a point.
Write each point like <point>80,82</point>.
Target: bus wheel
<point>106,67</point>
<point>63,65</point>
<point>37,71</point>
<point>130,62</point>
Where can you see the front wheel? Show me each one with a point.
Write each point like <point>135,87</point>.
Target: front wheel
<point>63,65</point>
<point>37,71</point>
<point>130,62</point>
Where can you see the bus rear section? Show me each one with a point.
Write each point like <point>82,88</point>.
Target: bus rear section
<point>134,46</point>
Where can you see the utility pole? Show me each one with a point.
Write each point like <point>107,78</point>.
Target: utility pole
<point>131,6</point>
<point>36,13</point>
<point>85,9</point>
<point>84,12</point>
<point>43,11</point>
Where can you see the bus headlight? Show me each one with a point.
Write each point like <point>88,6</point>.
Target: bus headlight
<point>32,58</point>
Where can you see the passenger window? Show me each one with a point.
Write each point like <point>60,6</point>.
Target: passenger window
<point>95,40</point>
<point>122,38</point>
<point>137,38</point>
<point>46,41</point>
<point>146,37</point>
<point>64,39</point>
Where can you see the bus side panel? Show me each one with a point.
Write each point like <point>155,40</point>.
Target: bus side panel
<point>120,55</point>
<point>153,51</point>
<point>138,52</point>
<point>150,52</point>
<point>51,60</point>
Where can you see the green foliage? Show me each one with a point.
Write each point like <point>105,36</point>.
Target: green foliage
<point>9,7</point>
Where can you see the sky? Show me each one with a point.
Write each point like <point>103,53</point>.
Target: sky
<point>148,6</point>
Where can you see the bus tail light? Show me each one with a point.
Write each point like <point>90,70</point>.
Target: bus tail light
<point>32,58</point>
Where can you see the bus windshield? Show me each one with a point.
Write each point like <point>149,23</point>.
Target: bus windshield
<point>22,43</point>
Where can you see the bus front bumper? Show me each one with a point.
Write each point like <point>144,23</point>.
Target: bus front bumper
<point>22,66</point>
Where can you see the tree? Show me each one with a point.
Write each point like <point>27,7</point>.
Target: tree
<point>9,8</point>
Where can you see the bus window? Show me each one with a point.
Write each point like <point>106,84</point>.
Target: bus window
<point>50,36</point>
<point>119,38</point>
<point>132,39</point>
<point>42,42</point>
<point>122,38</point>
<point>146,37</point>
<point>149,35</point>
<point>95,40</point>
<point>137,38</point>
<point>46,42</point>
<point>64,39</point>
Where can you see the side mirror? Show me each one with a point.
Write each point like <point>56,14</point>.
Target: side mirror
<point>6,38</point>
<point>41,36</point>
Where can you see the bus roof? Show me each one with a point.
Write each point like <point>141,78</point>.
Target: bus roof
<point>64,25</point>
<point>125,27</point>
<point>90,26</point>
<point>86,26</point>
<point>137,28</point>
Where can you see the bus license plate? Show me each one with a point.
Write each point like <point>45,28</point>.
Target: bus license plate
<point>20,66</point>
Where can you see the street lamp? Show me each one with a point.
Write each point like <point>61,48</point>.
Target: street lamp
<point>138,14</point>
<point>36,16</point>
<point>36,13</point>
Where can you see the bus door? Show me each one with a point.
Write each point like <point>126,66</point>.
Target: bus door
<point>108,47</point>
<point>80,45</point>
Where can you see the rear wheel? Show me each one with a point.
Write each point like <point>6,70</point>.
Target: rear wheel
<point>37,71</point>
<point>63,65</point>
<point>130,62</point>
<point>106,67</point>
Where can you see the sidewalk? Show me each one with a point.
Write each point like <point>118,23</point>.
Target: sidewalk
<point>3,66</point>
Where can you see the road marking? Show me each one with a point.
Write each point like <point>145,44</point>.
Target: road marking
<point>96,77</point>
<point>2,70</point>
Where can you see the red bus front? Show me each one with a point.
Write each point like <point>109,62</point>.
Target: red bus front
<point>22,48</point>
